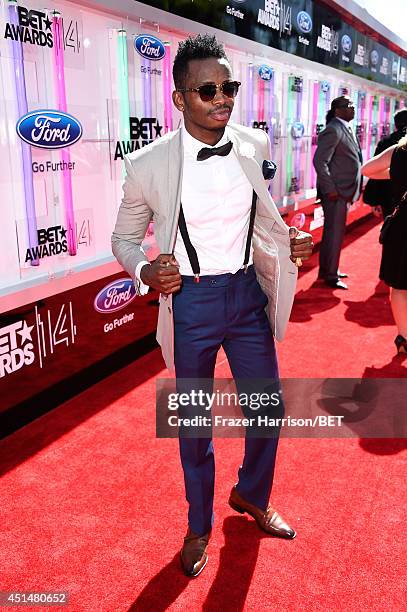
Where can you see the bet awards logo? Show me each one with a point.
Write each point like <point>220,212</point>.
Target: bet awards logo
<point>328,40</point>
<point>276,15</point>
<point>51,241</point>
<point>49,129</point>
<point>22,343</point>
<point>142,132</point>
<point>297,84</point>
<point>33,27</point>
<point>16,347</point>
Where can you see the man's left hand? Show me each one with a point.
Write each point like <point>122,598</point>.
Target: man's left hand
<point>301,246</point>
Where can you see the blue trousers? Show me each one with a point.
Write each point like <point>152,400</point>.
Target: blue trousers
<point>225,310</point>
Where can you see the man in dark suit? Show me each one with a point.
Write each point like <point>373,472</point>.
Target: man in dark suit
<point>217,286</point>
<point>379,194</point>
<point>337,162</point>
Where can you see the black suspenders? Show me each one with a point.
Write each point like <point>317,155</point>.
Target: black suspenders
<point>191,252</point>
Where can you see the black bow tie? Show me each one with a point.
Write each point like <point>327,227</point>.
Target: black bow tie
<point>206,152</point>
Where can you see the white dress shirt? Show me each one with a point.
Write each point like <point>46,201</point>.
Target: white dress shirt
<point>216,199</point>
<point>348,127</point>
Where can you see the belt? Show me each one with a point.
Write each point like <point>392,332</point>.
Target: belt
<point>220,280</point>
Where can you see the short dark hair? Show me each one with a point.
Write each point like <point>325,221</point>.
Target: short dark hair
<point>329,116</point>
<point>400,119</point>
<point>336,103</point>
<point>201,46</point>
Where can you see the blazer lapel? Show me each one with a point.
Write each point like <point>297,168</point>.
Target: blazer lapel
<point>253,171</point>
<point>351,139</point>
<point>175,162</point>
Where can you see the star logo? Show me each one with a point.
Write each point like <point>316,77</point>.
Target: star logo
<point>25,333</point>
<point>158,129</point>
<point>48,23</point>
<point>63,232</point>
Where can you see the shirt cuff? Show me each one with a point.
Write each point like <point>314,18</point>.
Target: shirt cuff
<point>141,288</point>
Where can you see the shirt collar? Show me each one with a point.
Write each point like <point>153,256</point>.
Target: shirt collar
<point>345,123</point>
<point>192,146</point>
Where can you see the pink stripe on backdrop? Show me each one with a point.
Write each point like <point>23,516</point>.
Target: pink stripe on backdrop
<point>167,84</point>
<point>260,94</point>
<point>59,73</point>
<point>369,125</point>
<point>315,100</point>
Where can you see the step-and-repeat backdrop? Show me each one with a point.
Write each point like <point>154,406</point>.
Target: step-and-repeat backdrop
<point>80,88</point>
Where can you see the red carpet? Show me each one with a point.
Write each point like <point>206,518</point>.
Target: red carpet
<point>93,504</point>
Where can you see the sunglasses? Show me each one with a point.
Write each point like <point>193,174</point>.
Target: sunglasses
<point>350,105</point>
<point>208,91</point>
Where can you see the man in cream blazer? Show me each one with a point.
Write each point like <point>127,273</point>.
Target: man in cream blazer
<point>153,190</point>
<point>245,287</point>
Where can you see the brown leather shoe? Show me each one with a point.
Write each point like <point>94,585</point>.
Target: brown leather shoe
<point>193,554</point>
<point>269,520</point>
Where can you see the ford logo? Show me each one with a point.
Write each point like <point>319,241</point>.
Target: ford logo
<point>115,295</point>
<point>298,220</point>
<point>297,130</point>
<point>265,73</point>
<point>346,43</point>
<point>149,47</point>
<point>304,22</point>
<point>49,129</point>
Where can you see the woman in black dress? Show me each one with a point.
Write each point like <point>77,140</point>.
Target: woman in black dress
<point>392,164</point>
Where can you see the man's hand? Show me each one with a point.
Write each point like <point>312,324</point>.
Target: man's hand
<point>333,196</point>
<point>301,246</point>
<point>163,274</point>
<point>377,211</point>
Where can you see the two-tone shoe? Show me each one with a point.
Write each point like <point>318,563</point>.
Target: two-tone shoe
<point>194,556</point>
<point>268,520</point>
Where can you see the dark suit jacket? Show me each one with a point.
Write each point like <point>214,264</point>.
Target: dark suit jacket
<point>337,161</point>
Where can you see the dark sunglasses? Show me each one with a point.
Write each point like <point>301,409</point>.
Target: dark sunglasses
<point>350,105</point>
<point>208,91</point>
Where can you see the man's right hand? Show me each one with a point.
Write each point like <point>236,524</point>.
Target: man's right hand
<point>162,274</point>
<point>333,196</point>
